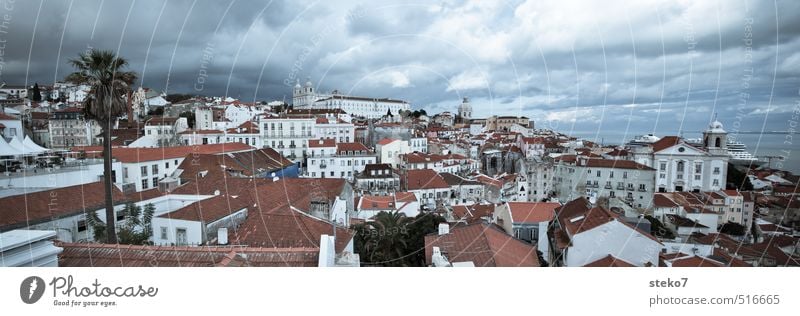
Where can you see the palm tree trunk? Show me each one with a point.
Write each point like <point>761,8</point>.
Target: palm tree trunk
<point>111,218</point>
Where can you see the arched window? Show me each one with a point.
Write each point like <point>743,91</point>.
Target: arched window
<point>717,142</point>
<point>680,166</point>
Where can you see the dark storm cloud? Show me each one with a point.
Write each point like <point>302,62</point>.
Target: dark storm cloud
<point>580,65</point>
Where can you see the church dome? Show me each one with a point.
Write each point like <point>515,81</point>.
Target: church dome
<point>716,127</point>
<point>297,85</point>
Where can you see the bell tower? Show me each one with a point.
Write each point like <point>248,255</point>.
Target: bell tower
<point>715,138</point>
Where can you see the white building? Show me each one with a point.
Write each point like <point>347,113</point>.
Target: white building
<point>403,202</point>
<point>68,128</point>
<point>11,127</point>
<point>165,130</point>
<point>465,111</point>
<point>594,233</point>
<point>389,151</point>
<point>341,131</point>
<point>329,159</point>
<point>429,187</point>
<point>307,97</point>
<point>287,135</point>
<point>576,176</point>
<point>681,166</point>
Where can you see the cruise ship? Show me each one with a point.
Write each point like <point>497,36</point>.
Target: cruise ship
<point>740,156</point>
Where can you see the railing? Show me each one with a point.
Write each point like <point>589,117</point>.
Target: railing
<point>620,187</point>
<point>607,186</point>
<point>630,188</point>
<point>642,190</point>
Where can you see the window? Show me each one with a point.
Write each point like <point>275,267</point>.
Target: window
<point>155,169</point>
<point>598,173</point>
<point>662,176</point>
<point>155,181</point>
<point>166,165</point>
<point>663,166</point>
<point>144,171</point>
<point>698,167</point>
<point>163,232</point>
<point>716,181</point>
<point>144,184</point>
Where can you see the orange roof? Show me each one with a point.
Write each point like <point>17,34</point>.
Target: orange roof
<point>422,179</point>
<point>344,148</point>
<point>386,141</point>
<point>609,261</point>
<point>485,245</point>
<point>115,255</point>
<point>322,142</point>
<point>133,155</point>
<point>532,212</point>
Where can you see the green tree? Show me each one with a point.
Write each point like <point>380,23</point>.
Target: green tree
<point>392,239</point>
<point>109,83</point>
<point>135,229</point>
<point>383,241</point>
<point>189,115</point>
<point>736,179</point>
<point>37,93</point>
<point>658,229</point>
<point>732,228</point>
<point>422,225</point>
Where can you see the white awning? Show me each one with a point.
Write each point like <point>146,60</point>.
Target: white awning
<point>6,149</point>
<point>32,147</point>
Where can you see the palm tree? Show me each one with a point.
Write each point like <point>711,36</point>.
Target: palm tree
<point>103,72</point>
<point>384,239</point>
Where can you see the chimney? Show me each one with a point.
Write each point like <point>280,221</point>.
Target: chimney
<point>444,229</point>
<point>222,236</point>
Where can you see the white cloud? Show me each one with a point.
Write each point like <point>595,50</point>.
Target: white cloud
<point>468,80</point>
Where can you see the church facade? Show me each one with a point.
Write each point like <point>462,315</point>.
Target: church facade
<point>307,97</point>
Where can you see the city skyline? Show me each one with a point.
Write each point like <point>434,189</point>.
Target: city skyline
<point>689,62</point>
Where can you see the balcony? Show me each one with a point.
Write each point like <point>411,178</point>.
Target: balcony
<point>629,199</point>
<point>630,188</point>
<point>620,187</point>
<point>607,187</point>
<point>323,165</point>
<point>642,190</point>
<point>292,146</point>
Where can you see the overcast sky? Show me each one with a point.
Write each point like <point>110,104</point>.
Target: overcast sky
<point>632,66</point>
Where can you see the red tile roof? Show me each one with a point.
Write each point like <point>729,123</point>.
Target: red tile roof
<point>532,212</point>
<point>386,141</point>
<point>423,179</point>
<point>609,261</point>
<point>133,155</point>
<point>322,142</point>
<point>485,245</point>
<point>346,148</point>
<point>111,255</point>
<point>38,207</point>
